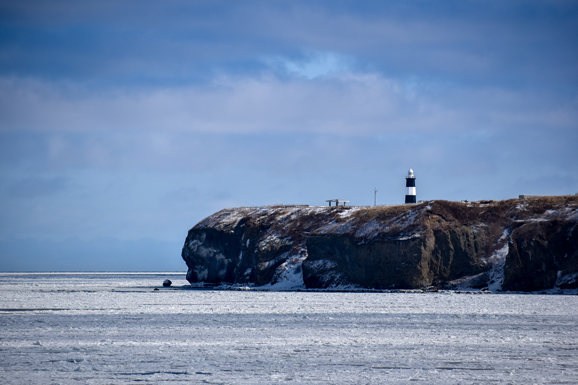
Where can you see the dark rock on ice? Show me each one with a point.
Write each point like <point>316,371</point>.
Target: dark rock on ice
<point>167,283</point>
<point>519,244</point>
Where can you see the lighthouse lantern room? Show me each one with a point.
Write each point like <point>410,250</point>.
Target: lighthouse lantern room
<point>410,196</point>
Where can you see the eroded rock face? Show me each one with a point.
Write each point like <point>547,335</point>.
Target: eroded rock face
<point>542,254</point>
<point>516,244</point>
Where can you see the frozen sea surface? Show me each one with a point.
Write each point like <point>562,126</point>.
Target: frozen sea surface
<point>116,329</point>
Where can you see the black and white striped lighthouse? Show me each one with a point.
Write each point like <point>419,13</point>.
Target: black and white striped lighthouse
<point>410,196</point>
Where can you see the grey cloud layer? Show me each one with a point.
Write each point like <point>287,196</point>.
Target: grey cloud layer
<point>145,42</point>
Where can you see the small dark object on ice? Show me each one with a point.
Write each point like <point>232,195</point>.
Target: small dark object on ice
<point>167,283</point>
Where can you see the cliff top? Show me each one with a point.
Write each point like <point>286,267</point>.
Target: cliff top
<point>397,220</point>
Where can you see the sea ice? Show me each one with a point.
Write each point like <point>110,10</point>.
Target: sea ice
<point>116,329</point>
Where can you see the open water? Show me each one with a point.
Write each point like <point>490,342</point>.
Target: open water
<point>116,329</point>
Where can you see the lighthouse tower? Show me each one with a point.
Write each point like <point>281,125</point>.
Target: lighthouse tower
<point>410,187</point>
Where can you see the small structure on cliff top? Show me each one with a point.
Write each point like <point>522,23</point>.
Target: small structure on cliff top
<point>337,202</point>
<point>410,196</point>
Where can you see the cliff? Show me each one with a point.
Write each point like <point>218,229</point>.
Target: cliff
<point>518,245</point>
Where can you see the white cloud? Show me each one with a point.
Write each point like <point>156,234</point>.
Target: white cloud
<point>313,65</point>
<point>343,104</point>
<point>348,104</point>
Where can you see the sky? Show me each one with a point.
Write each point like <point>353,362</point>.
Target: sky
<point>124,123</point>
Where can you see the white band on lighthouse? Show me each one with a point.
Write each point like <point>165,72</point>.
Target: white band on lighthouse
<point>410,191</point>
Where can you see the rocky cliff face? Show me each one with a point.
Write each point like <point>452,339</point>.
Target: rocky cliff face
<point>519,244</point>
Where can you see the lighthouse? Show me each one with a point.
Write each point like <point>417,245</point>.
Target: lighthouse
<point>410,187</point>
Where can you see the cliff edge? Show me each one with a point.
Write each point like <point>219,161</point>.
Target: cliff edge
<point>515,245</point>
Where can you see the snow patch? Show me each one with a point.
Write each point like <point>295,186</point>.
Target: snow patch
<point>273,241</point>
<point>336,227</point>
<point>505,235</point>
<point>289,275</point>
<point>198,247</point>
<point>408,237</point>
<point>573,215</point>
<point>522,206</point>
<point>202,273</point>
<point>374,227</point>
<point>498,260</point>
<point>370,229</point>
<point>322,264</point>
<point>568,279</point>
<point>347,213</point>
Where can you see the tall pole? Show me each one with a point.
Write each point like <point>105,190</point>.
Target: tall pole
<point>375,196</point>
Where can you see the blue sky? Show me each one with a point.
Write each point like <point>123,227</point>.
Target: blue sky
<point>124,123</point>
